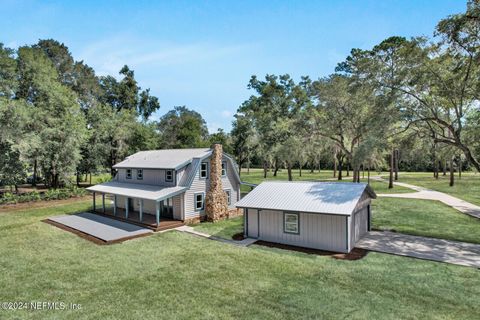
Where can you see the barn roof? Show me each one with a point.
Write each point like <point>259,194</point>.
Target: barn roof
<point>319,197</point>
<point>163,159</point>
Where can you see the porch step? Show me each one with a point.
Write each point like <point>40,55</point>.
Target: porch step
<point>169,225</point>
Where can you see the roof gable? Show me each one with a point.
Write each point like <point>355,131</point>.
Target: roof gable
<point>320,197</point>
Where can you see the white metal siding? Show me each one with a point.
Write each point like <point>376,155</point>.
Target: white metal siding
<point>318,231</point>
<point>252,221</point>
<point>359,225</point>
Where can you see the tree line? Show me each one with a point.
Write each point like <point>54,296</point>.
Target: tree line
<point>413,99</point>
<point>59,119</point>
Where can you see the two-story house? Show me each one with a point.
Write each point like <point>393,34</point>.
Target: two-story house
<point>151,186</point>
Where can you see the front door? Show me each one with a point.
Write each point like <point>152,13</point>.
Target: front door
<point>130,204</point>
<point>166,208</point>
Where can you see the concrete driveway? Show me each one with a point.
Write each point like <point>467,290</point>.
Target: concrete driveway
<point>460,253</point>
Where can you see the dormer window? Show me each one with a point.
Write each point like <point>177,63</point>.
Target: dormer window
<point>224,169</point>
<point>139,174</point>
<point>204,170</point>
<point>169,175</point>
<point>129,174</point>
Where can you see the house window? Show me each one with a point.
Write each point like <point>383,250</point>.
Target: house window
<point>139,174</point>
<point>204,170</point>
<point>229,196</point>
<point>129,173</point>
<point>224,169</point>
<point>291,223</point>
<point>198,198</point>
<point>169,176</point>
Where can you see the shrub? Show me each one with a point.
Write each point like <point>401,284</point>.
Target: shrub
<point>51,194</point>
<point>9,197</point>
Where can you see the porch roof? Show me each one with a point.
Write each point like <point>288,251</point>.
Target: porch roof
<point>139,191</point>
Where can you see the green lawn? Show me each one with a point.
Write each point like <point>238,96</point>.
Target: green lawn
<point>177,275</point>
<point>223,229</point>
<point>256,176</point>
<point>466,188</point>
<point>424,218</point>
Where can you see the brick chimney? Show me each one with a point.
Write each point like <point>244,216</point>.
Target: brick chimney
<point>216,206</point>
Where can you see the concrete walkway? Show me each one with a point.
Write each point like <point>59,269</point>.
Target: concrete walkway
<point>459,253</point>
<point>241,243</point>
<point>427,194</point>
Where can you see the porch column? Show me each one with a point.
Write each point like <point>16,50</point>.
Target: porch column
<point>115,205</point>
<point>126,207</point>
<point>141,210</point>
<point>157,212</point>
<point>94,202</point>
<point>103,202</point>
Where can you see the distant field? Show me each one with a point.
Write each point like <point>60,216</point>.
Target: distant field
<point>424,218</point>
<point>256,176</point>
<point>466,188</point>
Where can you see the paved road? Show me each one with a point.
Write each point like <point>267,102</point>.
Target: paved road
<point>460,253</point>
<point>423,193</point>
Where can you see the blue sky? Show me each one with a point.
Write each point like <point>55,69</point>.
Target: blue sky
<point>202,53</point>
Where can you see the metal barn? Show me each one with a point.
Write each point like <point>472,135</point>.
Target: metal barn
<point>329,216</point>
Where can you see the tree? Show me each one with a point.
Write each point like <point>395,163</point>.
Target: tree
<point>182,128</point>
<point>56,118</point>
<point>127,95</point>
<point>8,72</point>
<point>351,115</point>
<point>223,138</point>
<point>12,169</point>
<point>243,139</point>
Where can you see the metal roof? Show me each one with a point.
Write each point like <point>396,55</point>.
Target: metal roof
<point>139,191</point>
<point>163,159</point>
<point>319,197</point>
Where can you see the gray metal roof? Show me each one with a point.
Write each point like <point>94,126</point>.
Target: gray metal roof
<point>319,197</point>
<point>162,159</point>
<point>139,191</point>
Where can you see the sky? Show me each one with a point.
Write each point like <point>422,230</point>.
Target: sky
<point>201,54</point>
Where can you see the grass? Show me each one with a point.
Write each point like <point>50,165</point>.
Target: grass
<point>176,275</point>
<point>467,188</point>
<point>424,218</point>
<point>225,229</point>
<point>256,176</point>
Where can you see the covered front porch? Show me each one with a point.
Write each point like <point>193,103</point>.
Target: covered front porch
<point>155,207</point>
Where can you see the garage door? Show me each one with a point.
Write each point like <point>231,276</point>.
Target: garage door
<point>361,223</point>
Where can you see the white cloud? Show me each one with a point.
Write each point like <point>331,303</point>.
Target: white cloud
<point>213,127</point>
<point>108,56</point>
<point>227,114</point>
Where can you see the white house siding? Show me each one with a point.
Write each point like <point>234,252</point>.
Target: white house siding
<point>150,176</point>
<point>318,231</point>
<point>201,186</point>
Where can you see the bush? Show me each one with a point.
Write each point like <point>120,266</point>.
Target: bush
<point>8,197</point>
<point>51,194</point>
